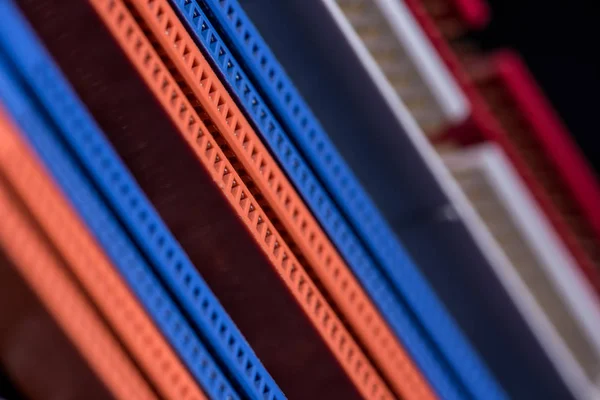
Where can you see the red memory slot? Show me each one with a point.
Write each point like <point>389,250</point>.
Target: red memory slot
<point>202,191</point>
<point>550,134</point>
<point>484,125</point>
<point>552,159</point>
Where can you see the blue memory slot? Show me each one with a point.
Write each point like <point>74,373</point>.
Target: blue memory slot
<point>120,250</point>
<point>364,268</point>
<point>405,278</point>
<point>127,200</point>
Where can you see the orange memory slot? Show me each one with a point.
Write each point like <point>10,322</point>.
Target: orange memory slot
<point>233,135</point>
<point>36,262</point>
<point>94,271</point>
<point>229,141</point>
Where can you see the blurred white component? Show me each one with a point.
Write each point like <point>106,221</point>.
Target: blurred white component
<point>407,120</point>
<point>542,278</point>
<point>408,60</point>
<point>578,324</point>
<point>557,304</point>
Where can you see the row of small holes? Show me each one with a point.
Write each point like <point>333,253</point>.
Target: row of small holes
<point>167,313</point>
<point>133,202</point>
<point>313,188</point>
<point>314,191</point>
<point>293,210</point>
<point>208,34</point>
<point>185,52</point>
<point>264,168</point>
<point>184,113</point>
<point>55,213</point>
<point>361,205</point>
<point>291,99</point>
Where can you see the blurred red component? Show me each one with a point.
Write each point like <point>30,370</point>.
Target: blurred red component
<point>509,109</point>
<point>550,134</point>
<point>454,17</point>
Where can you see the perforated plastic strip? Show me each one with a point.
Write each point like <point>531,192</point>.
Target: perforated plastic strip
<point>217,163</point>
<point>363,267</point>
<point>122,253</point>
<point>44,273</point>
<point>495,259</point>
<point>118,246</point>
<point>326,263</point>
<point>342,184</point>
<point>483,125</point>
<point>96,274</point>
<point>522,144</point>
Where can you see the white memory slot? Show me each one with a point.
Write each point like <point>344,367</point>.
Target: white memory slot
<point>408,60</point>
<point>542,278</point>
<point>411,128</point>
<point>460,209</point>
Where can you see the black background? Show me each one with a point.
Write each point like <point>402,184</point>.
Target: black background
<point>559,41</point>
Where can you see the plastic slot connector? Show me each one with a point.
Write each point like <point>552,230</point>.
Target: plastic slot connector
<point>409,62</point>
<point>133,205</point>
<point>305,231</point>
<point>219,245</point>
<point>555,298</point>
<point>219,165</point>
<point>96,275</point>
<point>373,281</point>
<point>153,297</point>
<point>351,197</point>
<point>35,260</point>
<point>551,155</point>
<point>103,224</point>
<point>484,125</point>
